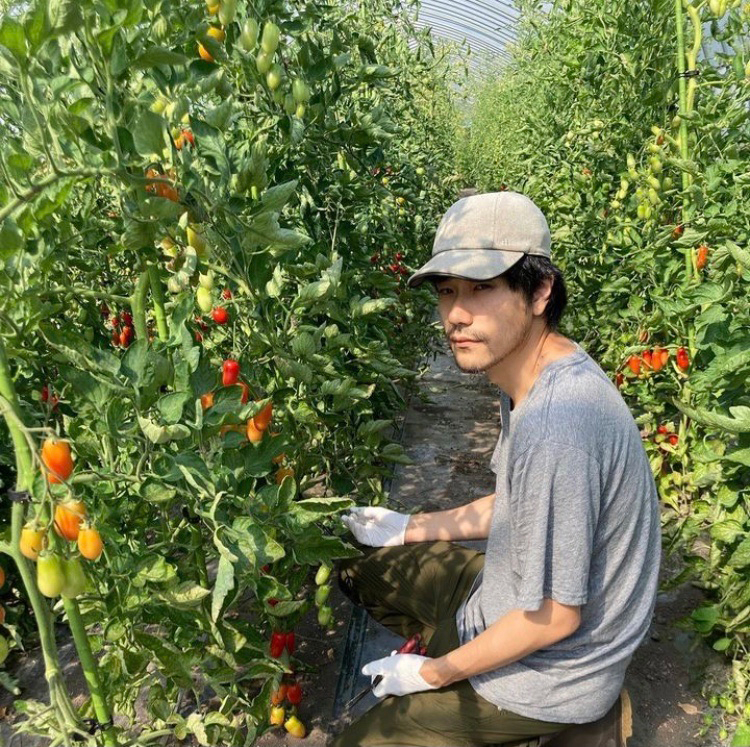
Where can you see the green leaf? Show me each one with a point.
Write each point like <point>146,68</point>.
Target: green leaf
<point>740,423</point>
<point>11,239</point>
<point>740,255</point>
<point>156,492</point>
<point>160,56</point>
<point>276,197</point>
<point>722,644</point>
<point>171,405</point>
<point>740,558</point>
<point>13,38</point>
<point>313,509</point>
<point>63,16</point>
<point>76,350</point>
<point>153,569</point>
<point>727,531</point>
<point>148,134</point>
<point>223,584</point>
<point>395,453</point>
<point>185,595</point>
<point>741,736</point>
<point>705,618</point>
<point>313,548</point>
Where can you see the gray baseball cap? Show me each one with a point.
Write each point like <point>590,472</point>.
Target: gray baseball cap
<point>482,236</point>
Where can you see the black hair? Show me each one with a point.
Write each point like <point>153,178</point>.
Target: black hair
<point>526,277</point>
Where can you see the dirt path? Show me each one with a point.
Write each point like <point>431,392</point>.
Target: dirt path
<point>450,431</point>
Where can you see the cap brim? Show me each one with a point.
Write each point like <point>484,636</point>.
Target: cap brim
<point>470,264</point>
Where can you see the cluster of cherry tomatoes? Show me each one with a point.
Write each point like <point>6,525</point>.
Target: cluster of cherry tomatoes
<point>653,360</point>
<point>57,574</point>
<point>123,331</point>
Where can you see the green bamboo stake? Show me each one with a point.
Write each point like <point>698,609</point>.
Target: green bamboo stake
<point>65,713</point>
<point>90,669</point>
<point>684,153</point>
<point>157,294</point>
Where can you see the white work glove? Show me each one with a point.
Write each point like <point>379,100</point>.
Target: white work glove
<point>400,674</point>
<point>376,526</point>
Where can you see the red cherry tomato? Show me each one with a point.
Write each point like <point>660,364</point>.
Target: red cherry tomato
<point>220,315</point>
<point>278,640</point>
<point>683,359</point>
<point>230,372</point>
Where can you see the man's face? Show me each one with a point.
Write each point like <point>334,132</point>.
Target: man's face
<point>484,321</point>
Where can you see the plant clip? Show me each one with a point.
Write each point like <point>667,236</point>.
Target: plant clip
<point>19,496</point>
<point>689,74</point>
<point>93,726</point>
<point>190,519</point>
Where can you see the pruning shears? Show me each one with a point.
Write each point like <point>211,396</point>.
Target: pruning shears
<point>413,646</point>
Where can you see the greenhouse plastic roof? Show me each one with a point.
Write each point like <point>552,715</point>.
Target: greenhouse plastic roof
<point>485,25</point>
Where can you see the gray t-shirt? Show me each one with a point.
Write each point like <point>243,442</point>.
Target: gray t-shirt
<point>576,519</point>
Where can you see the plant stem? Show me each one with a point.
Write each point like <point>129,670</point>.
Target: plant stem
<point>138,306</point>
<point>90,668</point>
<point>65,713</point>
<point>157,294</point>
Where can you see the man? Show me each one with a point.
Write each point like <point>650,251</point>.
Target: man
<point>535,634</point>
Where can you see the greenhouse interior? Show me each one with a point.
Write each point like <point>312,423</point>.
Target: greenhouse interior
<point>375,373</point>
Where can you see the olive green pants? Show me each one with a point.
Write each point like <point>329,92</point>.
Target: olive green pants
<point>418,588</point>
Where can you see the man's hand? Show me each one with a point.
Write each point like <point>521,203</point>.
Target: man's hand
<point>376,526</point>
<point>400,673</point>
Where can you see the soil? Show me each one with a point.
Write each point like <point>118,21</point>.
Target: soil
<point>450,430</point>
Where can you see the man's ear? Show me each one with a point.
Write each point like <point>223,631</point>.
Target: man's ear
<point>541,296</point>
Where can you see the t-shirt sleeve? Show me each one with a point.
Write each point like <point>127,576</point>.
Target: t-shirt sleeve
<point>554,492</point>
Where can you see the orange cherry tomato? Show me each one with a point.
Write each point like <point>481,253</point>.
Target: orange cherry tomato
<point>635,364</point>
<point>254,434</point>
<point>57,459</point>
<point>207,400</point>
<point>68,517</point>
<point>90,543</point>
<point>263,418</point>
<point>204,53</point>
<point>2,576</point>
<point>277,698</point>
<point>31,542</point>
<point>2,615</point>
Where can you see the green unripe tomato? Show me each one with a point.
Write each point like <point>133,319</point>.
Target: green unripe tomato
<point>263,62</point>
<point>723,733</point>
<point>207,280</point>
<point>274,76</point>
<point>269,41</point>
<point>631,161</point>
<point>654,182</point>
<point>300,111</point>
<point>324,572</point>
<point>730,707</point>
<point>300,91</point>
<point>321,595</point>
<point>713,701</point>
<point>666,183</point>
<point>325,615</point>
<point>249,35</point>
<point>75,578</point>
<point>653,196</point>
<point>419,171</point>
<point>655,164</point>
<point>50,576</point>
<point>227,12</point>
<point>159,105</point>
<point>290,105</point>
<point>204,299</point>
